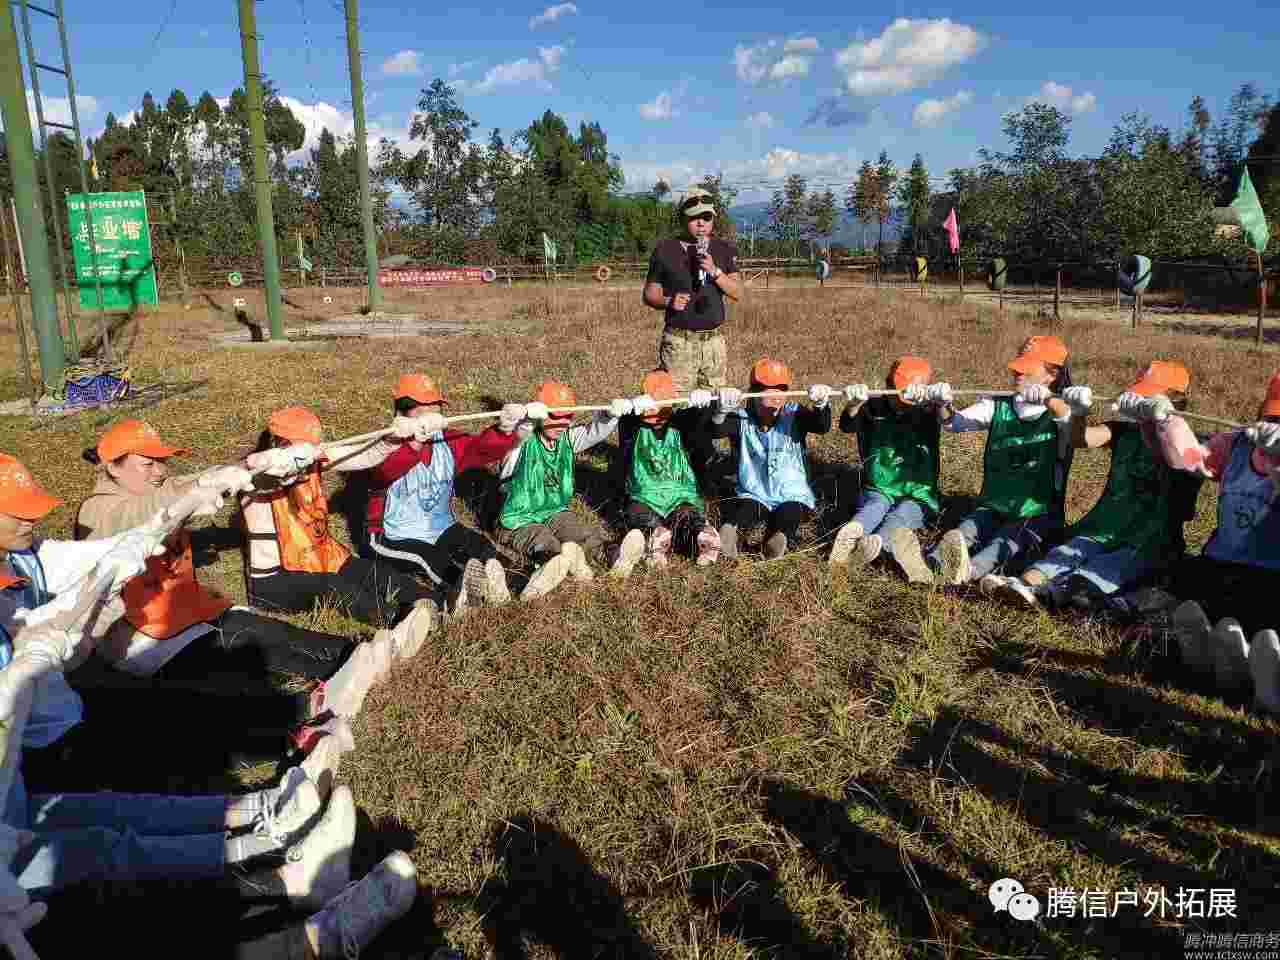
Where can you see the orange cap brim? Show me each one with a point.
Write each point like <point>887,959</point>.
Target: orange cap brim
<point>1148,388</point>
<point>158,451</point>
<point>31,505</point>
<point>1271,408</point>
<point>1024,364</point>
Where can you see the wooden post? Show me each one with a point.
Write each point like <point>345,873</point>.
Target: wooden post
<point>1001,294</point>
<point>1262,297</point>
<point>1035,280</point>
<point>960,270</point>
<point>1057,294</point>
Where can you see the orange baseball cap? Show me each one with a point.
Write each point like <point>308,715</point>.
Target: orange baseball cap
<point>1042,349</point>
<point>1162,376</point>
<point>295,424</point>
<point>417,387</point>
<point>1271,405</point>
<point>20,495</point>
<point>770,373</point>
<point>134,436</point>
<point>906,369</point>
<point>555,394</point>
<point>658,385</point>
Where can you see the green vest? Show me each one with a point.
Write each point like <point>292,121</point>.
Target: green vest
<point>1020,465</point>
<point>542,484</point>
<point>1134,509</point>
<point>660,476</point>
<point>901,460</point>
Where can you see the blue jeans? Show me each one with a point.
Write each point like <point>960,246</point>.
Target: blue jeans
<point>96,836</point>
<point>880,515</point>
<point>1109,568</point>
<point>996,541</point>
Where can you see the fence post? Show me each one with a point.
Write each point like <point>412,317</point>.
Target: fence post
<point>1035,280</point>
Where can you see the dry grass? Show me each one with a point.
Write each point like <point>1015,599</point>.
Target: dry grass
<point>758,759</point>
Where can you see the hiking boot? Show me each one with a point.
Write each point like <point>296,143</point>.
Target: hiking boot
<point>659,548</point>
<point>494,590</point>
<point>867,551</point>
<point>1191,627</point>
<point>953,556</point>
<point>1017,592</point>
<point>905,547</point>
<point>775,546</point>
<point>708,546</point>
<point>1230,652</point>
<point>580,570</point>
<point>630,551</point>
<point>353,919</point>
<point>318,868</point>
<point>846,539</point>
<point>729,541</point>
<point>1264,665</point>
<point>550,575</point>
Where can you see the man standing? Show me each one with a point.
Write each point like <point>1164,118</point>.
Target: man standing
<point>688,280</point>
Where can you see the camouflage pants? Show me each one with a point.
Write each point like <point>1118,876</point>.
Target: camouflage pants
<point>694,358</point>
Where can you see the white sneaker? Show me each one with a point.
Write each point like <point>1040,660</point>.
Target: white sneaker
<point>991,585</point>
<point>550,575</point>
<point>905,546</point>
<point>345,691</point>
<point>775,546</point>
<point>408,636</point>
<point>729,541</point>
<point>708,547</point>
<point>1264,665</point>
<point>581,570</point>
<point>321,764</point>
<point>846,539</point>
<point>953,557</point>
<point>1191,627</point>
<point>354,918</point>
<point>659,555</point>
<point>1016,591</point>
<point>868,550</point>
<point>487,580</point>
<point>630,552</point>
<point>318,868</point>
<point>1230,652</point>
<point>286,810</point>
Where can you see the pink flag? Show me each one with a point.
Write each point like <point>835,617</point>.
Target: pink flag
<point>953,230</point>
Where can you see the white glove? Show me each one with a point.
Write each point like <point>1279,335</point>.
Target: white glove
<point>66,638</point>
<point>1131,406</point>
<point>643,406</point>
<point>284,462</point>
<point>701,398</point>
<point>730,398</point>
<point>427,426</point>
<point>916,393</point>
<point>512,414</point>
<point>1079,399</point>
<point>403,428</point>
<point>1034,393</point>
<point>819,395</point>
<point>226,479</point>
<point>939,393</point>
<point>536,411</point>
<point>856,394</point>
<point>619,407</point>
<point>1266,437</point>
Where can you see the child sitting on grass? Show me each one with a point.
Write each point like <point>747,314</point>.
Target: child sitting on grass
<point>898,442</point>
<point>773,467</point>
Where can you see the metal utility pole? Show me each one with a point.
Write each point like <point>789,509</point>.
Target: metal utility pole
<point>362,155</point>
<point>30,214</point>
<point>261,175</point>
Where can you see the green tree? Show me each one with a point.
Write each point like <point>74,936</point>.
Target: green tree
<point>821,214</point>
<point>914,194</point>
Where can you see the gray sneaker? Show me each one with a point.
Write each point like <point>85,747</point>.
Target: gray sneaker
<point>1264,665</point>
<point>729,541</point>
<point>905,546</point>
<point>847,538</point>
<point>354,918</point>
<point>495,591</point>
<point>953,555</point>
<point>775,546</point>
<point>630,552</point>
<point>1230,651</point>
<point>550,575</point>
<point>867,551</point>
<point>1191,627</point>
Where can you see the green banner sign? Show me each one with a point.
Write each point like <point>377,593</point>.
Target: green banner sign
<point>122,242</point>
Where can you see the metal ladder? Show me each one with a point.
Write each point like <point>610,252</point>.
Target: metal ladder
<point>34,66</point>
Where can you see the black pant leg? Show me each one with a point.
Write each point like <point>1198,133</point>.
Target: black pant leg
<point>462,543</point>
<point>282,646</point>
<point>786,518</point>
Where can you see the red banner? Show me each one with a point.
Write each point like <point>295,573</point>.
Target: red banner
<point>443,277</point>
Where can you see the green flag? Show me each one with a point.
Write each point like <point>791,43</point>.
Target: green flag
<point>1252,220</point>
<point>548,249</point>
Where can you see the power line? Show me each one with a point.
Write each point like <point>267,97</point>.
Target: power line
<point>164,25</point>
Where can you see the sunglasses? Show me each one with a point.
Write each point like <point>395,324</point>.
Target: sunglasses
<point>705,217</point>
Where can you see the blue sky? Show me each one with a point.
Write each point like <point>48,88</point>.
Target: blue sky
<point>700,86</point>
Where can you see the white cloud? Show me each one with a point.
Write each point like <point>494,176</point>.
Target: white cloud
<point>319,116</point>
<point>759,175</point>
<point>907,55</point>
<point>1064,98</point>
<point>659,108</point>
<point>552,14</point>
<point>929,113</point>
<point>523,71</point>
<point>760,121</point>
<point>58,110</point>
<point>406,63</point>
<point>457,68</point>
<point>774,60</point>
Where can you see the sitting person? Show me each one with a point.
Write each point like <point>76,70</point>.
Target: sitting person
<point>773,468</point>
<point>898,443</point>
<point>410,516</point>
<point>1135,528</point>
<point>537,487</point>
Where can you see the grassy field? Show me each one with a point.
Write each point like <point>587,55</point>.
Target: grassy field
<point>759,759</point>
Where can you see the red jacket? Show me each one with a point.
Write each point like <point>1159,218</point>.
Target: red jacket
<point>470,451</point>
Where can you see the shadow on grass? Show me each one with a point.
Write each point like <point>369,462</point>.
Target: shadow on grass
<point>554,896</point>
<point>745,899</point>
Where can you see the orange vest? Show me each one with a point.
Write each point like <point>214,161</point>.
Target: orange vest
<point>165,598</point>
<point>301,516</point>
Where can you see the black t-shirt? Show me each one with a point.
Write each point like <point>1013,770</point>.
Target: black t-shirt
<point>674,264</point>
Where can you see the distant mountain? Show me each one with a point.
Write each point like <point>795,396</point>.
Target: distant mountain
<point>849,232</point>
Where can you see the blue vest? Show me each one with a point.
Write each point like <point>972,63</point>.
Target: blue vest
<point>418,505</point>
<point>772,468</point>
<point>1248,527</point>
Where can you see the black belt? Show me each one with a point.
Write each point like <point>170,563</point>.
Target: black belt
<point>693,334</point>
